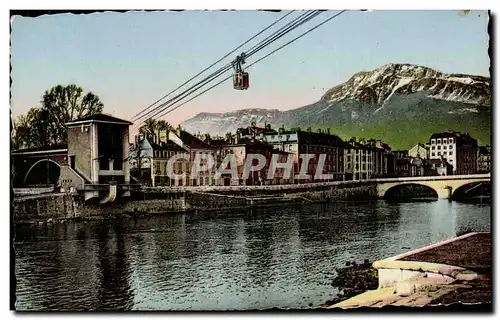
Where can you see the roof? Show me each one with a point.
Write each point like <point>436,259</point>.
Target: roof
<point>167,146</point>
<point>192,141</point>
<point>450,134</point>
<point>218,142</point>
<point>484,149</point>
<point>444,135</point>
<point>318,138</point>
<point>62,147</point>
<point>100,118</point>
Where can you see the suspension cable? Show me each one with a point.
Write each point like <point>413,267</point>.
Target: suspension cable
<point>275,36</point>
<point>260,59</point>
<point>219,60</point>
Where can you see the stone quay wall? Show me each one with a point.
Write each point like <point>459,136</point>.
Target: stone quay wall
<point>158,201</point>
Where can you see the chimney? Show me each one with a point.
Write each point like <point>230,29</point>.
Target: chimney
<point>178,130</point>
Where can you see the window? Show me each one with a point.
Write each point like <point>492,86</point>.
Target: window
<point>444,153</point>
<point>439,153</point>
<point>445,140</point>
<point>450,140</point>
<point>433,147</point>
<point>439,141</point>
<point>439,147</point>
<point>364,166</point>
<point>444,147</point>
<point>450,153</point>
<point>433,141</point>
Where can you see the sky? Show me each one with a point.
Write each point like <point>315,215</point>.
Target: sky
<point>132,59</point>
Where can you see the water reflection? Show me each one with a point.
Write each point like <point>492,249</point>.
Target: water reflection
<point>247,259</point>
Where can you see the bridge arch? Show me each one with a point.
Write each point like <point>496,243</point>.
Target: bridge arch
<point>471,189</point>
<point>43,175</point>
<point>410,190</point>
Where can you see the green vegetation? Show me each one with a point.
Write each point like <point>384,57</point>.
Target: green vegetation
<point>354,279</point>
<point>46,125</point>
<point>401,134</point>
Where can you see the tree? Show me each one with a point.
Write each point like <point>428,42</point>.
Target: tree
<point>163,125</point>
<point>46,125</point>
<point>65,104</point>
<point>137,158</point>
<point>31,129</point>
<point>149,128</point>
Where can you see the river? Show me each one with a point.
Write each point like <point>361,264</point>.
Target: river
<point>252,259</point>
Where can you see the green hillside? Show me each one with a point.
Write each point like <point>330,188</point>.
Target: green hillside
<point>405,134</point>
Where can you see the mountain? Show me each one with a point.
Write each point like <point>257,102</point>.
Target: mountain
<point>401,104</point>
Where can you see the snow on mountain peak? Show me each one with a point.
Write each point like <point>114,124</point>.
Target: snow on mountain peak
<point>378,86</point>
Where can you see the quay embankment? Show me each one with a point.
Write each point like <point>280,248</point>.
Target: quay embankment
<point>37,208</point>
<point>457,270</point>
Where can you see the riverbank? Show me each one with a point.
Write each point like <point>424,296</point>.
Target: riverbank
<point>453,271</point>
<point>154,201</point>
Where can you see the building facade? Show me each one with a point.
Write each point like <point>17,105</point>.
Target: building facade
<point>298,142</point>
<point>366,159</point>
<point>458,149</point>
<point>98,149</point>
<point>420,150</point>
<point>484,159</point>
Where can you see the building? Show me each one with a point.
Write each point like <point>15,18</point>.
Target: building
<point>94,162</point>
<point>420,150</point>
<point>458,149</point>
<point>254,131</point>
<point>149,159</point>
<point>98,148</point>
<point>484,159</point>
<point>298,142</point>
<point>365,159</point>
<point>150,156</point>
<point>240,148</point>
<point>401,163</point>
<point>439,167</point>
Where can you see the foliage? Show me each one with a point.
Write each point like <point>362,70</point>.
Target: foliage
<point>151,126</point>
<point>354,279</point>
<point>404,134</point>
<point>46,125</point>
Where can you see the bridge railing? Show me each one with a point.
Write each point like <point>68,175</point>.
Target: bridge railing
<point>433,178</point>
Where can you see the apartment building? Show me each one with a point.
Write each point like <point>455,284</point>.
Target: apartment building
<point>298,142</point>
<point>458,149</point>
<point>484,159</point>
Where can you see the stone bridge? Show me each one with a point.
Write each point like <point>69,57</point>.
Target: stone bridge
<point>445,186</point>
<point>38,166</point>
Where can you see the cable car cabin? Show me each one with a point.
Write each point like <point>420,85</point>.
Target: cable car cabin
<point>241,80</point>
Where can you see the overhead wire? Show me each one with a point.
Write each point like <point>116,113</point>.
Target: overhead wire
<point>298,21</point>
<point>214,63</point>
<point>257,61</point>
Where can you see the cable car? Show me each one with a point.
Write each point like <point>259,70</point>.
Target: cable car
<point>241,80</point>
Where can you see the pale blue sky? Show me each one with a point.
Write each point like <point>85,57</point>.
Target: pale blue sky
<point>131,59</point>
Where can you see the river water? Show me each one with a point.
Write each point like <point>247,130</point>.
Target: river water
<point>255,259</point>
